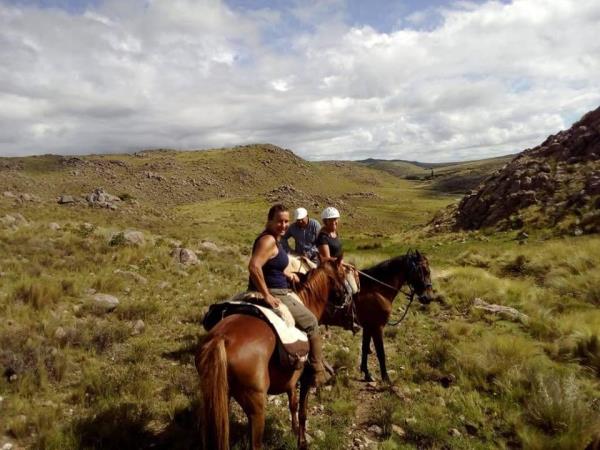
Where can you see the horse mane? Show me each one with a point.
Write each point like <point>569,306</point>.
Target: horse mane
<point>389,267</point>
<point>314,288</point>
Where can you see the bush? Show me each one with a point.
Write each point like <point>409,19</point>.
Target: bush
<point>38,294</point>
<point>556,406</point>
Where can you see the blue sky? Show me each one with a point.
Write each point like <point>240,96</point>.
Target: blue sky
<point>330,79</point>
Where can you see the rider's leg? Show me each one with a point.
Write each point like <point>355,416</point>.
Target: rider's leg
<point>307,322</point>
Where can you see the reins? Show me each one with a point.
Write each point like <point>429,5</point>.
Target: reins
<point>409,295</point>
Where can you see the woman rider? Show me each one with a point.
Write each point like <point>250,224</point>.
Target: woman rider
<point>328,241</point>
<point>268,275</point>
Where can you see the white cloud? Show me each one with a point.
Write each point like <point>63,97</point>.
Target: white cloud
<point>487,79</point>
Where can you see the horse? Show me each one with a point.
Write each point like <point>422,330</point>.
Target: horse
<point>238,358</point>
<point>379,286</point>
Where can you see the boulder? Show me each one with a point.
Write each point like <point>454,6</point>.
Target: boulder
<point>134,237</point>
<point>65,199</point>
<point>104,302</point>
<point>185,256</point>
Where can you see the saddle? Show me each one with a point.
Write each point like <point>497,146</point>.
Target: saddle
<point>292,344</point>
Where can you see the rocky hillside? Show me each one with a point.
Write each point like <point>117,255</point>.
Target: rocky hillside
<point>555,184</point>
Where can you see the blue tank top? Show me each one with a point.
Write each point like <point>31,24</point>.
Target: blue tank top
<point>273,269</point>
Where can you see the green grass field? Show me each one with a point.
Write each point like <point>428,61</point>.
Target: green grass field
<point>77,377</point>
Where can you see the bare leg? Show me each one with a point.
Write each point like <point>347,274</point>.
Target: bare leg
<point>366,343</point>
<point>378,341</point>
<point>293,401</point>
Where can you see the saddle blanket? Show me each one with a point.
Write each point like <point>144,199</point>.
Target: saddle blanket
<point>294,342</point>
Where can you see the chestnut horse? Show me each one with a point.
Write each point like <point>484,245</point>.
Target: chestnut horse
<point>379,286</point>
<point>238,358</point>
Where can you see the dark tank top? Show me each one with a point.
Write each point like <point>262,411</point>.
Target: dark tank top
<point>335,245</point>
<point>273,268</point>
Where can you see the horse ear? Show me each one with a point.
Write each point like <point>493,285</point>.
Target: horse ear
<point>417,253</point>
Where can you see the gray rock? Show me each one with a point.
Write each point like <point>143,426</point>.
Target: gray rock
<point>105,302</point>
<point>64,199</point>
<point>398,430</point>
<point>454,432</point>
<point>138,327</point>
<point>185,256</point>
<point>211,246</point>
<point>134,237</point>
<point>60,334</point>
<point>54,226</point>
<point>136,276</point>
<point>376,429</point>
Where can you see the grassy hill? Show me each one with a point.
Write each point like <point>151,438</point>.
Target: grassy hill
<point>456,178</point>
<point>75,376</point>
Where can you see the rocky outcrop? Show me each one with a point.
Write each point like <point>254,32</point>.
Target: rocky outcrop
<point>556,180</point>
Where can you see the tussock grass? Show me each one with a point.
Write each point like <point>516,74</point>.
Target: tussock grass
<point>38,293</point>
<point>491,357</point>
<point>562,416</point>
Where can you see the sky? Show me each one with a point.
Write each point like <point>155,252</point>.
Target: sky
<point>430,80</point>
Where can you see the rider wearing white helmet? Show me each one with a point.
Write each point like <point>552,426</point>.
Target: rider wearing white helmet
<point>304,230</point>
<point>328,242</point>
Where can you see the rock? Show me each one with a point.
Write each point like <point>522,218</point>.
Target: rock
<point>376,429</point>
<point>64,199</point>
<point>60,334</point>
<point>164,285</point>
<point>398,430</point>
<point>7,446</point>
<point>134,237</point>
<point>185,256</point>
<point>136,276</point>
<point>138,327</point>
<point>105,302</point>
<point>211,246</point>
<point>410,420</point>
<point>8,194</point>
<point>54,226</point>
<point>319,434</point>
<point>454,432</point>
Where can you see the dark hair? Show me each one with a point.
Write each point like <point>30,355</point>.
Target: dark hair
<point>277,208</point>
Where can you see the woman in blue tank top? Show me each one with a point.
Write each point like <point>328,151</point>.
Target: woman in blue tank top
<point>269,276</point>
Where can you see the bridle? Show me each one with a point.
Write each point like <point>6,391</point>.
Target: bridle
<point>410,294</point>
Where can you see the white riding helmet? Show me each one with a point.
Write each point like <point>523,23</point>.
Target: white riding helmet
<point>300,214</point>
<point>330,213</point>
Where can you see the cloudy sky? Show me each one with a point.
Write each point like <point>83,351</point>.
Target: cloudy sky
<point>428,80</point>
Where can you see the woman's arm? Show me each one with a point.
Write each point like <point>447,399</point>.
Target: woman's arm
<point>265,250</point>
<point>324,254</point>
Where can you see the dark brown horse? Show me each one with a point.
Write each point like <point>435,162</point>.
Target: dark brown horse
<point>238,359</point>
<point>380,284</point>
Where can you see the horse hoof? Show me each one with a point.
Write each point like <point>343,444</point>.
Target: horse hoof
<point>368,378</point>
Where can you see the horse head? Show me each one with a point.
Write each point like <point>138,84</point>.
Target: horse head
<point>419,276</point>
<point>343,280</point>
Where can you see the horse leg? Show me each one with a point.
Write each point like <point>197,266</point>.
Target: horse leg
<point>293,401</point>
<point>254,404</point>
<point>366,344</point>
<point>378,341</point>
<point>304,391</point>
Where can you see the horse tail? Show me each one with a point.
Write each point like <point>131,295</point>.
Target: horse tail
<point>211,362</point>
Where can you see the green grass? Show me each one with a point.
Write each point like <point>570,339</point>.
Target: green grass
<point>84,379</point>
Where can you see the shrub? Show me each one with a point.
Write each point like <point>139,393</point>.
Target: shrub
<point>117,240</point>
<point>38,294</point>
<point>557,406</point>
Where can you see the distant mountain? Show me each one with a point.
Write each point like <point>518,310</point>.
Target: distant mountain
<point>555,184</point>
